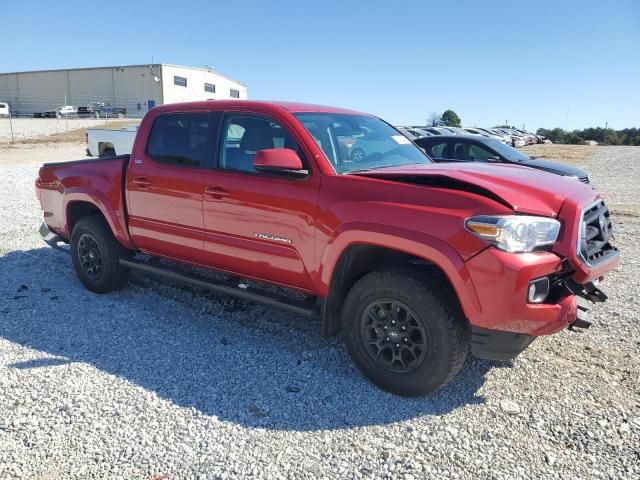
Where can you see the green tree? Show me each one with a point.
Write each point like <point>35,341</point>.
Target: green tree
<point>450,119</point>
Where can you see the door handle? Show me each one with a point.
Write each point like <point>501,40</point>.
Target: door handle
<point>142,181</point>
<point>216,192</point>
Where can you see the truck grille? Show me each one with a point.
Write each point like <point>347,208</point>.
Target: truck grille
<point>595,233</point>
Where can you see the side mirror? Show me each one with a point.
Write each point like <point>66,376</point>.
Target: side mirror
<point>283,161</point>
<point>494,159</point>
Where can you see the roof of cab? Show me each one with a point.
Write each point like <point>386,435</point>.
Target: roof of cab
<point>230,104</point>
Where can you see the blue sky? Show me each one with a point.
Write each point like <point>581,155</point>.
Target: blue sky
<point>540,63</point>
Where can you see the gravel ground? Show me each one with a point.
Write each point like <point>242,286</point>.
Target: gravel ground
<point>156,380</point>
<point>24,128</point>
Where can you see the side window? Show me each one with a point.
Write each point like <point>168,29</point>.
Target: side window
<point>438,150</point>
<point>479,154</point>
<point>461,151</point>
<point>179,139</point>
<point>245,135</point>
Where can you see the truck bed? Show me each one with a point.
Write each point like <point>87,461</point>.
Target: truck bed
<point>98,182</point>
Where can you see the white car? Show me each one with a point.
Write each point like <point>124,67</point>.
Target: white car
<point>486,133</point>
<point>4,109</point>
<point>63,111</point>
<point>102,142</point>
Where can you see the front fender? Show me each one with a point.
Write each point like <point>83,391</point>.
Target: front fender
<point>114,217</point>
<point>408,241</point>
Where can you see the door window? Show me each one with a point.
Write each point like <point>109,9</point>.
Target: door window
<point>461,151</point>
<point>479,154</point>
<point>245,135</point>
<point>179,139</point>
<point>438,150</point>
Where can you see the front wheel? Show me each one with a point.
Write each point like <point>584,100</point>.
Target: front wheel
<point>96,254</point>
<point>404,333</point>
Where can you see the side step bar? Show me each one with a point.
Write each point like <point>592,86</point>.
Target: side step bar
<point>306,307</point>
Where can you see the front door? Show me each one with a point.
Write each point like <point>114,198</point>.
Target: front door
<point>256,224</point>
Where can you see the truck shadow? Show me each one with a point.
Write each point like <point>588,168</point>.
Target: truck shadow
<point>253,365</point>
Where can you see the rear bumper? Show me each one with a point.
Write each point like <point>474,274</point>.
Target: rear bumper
<point>52,239</point>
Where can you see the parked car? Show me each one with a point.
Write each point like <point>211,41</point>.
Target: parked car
<point>516,139</point>
<point>439,130</point>
<point>417,263</point>
<point>100,109</point>
<point>407,132</point>
<point>103,142</point>
<point>486,133</point>
<point>414,132</point>
<point>366,142</point>
<point>475,148</point>
<point>59,112</point>
<point>4,110</point>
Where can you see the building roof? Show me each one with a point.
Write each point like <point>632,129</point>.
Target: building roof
<point>127,66</point>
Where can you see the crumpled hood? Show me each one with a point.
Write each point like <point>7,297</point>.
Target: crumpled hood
<point>526,190</point>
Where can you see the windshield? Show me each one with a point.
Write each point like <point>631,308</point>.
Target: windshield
<point>507,151</point>
<point>360,142</point>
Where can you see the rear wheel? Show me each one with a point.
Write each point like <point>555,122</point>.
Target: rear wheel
<point>96,254</point>
<point>403,333</point>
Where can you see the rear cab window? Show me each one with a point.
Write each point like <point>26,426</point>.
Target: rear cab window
<point>180,139</point>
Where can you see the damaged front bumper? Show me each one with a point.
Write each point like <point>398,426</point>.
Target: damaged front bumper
<point>492,344</point>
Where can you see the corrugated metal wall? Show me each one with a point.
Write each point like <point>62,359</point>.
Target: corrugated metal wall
<point>132,87</point>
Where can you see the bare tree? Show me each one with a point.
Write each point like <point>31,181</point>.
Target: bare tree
<point>433,120</point>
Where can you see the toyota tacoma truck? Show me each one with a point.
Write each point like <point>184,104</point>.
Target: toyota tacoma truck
<point>415,263</point>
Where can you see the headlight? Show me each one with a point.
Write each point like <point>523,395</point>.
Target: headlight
<point>515,233</point>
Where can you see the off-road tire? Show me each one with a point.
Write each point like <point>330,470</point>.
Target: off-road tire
<point>437,310</point>
<point>112,276</point>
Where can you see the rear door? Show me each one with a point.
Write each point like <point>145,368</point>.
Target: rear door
<point>165,184</point>
<point>258,224</point>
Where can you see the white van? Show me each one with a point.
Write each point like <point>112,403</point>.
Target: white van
<point>4,109</point>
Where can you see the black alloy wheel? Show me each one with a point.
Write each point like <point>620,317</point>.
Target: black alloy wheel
<point>90,256</point>
<point>393,336</point>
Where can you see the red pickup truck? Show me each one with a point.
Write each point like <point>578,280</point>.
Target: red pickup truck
<point>415,263</point>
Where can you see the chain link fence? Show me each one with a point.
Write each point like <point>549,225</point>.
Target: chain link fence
<point>36,116</point>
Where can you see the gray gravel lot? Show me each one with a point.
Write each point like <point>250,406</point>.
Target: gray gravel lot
<point>24,128</point>
<point>158,380</point>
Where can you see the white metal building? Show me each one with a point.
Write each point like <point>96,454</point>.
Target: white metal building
<point>135,87</point>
